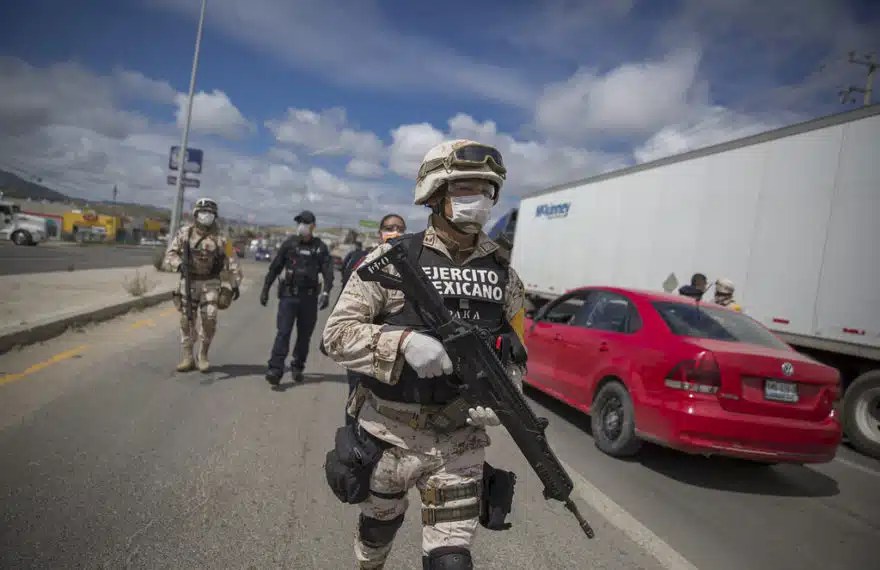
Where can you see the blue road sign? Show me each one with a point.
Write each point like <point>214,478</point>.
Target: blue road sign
<point>193,161</point>
<point>187,182</point>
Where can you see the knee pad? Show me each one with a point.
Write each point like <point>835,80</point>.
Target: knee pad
<point>375,533</point>
<point>448,558</point>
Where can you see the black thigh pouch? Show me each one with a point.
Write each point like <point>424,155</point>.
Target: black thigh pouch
<point>351,463</point>
<point>496,500</point>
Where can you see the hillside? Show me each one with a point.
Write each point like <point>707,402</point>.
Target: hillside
<point>13,186</point>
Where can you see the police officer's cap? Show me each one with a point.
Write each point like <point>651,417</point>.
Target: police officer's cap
<point>305,217</point>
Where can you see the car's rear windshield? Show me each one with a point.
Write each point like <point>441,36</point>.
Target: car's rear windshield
<point>704,321</point>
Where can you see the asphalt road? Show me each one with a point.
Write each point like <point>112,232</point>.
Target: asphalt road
<point>111,460</point>
<point>15,260</point>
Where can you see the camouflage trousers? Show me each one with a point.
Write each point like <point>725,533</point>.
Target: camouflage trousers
<point>204,295</point>
<point>446,469</point>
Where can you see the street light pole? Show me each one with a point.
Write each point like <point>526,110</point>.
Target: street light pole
<point>177,210</point>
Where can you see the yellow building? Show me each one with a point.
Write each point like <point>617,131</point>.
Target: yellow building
<point>79,220</point>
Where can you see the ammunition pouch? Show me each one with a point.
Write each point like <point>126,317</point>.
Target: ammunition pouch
<point>224,298</point>
<point>350,464</point>
<point>496,501</point>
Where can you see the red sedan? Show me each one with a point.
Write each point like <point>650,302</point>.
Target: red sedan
<point>689,375</point>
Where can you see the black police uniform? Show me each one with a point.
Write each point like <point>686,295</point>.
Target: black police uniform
<point>299,262</point>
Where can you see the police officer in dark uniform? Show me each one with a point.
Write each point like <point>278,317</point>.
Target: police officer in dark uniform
<point>300,260</point>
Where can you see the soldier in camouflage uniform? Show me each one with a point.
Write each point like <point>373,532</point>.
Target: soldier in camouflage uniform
<point>407,373</point>
<point>724,290</point>
<point>211,259</point>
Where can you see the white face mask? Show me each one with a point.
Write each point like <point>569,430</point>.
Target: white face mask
<point>205,218</point>
<point>469,213</point>
<point>303,230</point>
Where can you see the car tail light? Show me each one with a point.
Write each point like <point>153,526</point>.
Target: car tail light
<point>701,375</point>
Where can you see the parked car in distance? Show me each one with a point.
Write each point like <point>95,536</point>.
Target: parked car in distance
<point>688,375</point>
<point>263,254</point>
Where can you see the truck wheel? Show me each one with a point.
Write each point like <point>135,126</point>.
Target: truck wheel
<point>21,237</point>
<point>861,413</point>
<point>613,421</point>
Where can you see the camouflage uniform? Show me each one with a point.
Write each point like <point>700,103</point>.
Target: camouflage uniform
<point>419,457</point>
<point>724,290</point>
<point>206,247</point>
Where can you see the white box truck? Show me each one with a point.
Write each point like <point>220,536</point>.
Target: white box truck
<point>792,216</point>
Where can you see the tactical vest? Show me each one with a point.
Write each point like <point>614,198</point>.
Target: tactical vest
<point>302,266</point>
<point>206,256</point>
<point>475,293</point>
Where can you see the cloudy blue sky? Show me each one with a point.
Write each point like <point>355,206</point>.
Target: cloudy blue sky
<point>330,104</point>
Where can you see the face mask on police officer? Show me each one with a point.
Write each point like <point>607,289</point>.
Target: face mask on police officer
<point>303,230</point>
<point>470,213</point>
<point>205,218</point>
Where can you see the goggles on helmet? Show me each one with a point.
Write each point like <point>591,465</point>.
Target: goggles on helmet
<point>470,156</point>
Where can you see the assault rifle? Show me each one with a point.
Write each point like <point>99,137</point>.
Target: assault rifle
<point>485,382</point>
<point>187,281</point>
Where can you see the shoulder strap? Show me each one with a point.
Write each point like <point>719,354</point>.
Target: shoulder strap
<point>502,256</point>
<point>414,244</point>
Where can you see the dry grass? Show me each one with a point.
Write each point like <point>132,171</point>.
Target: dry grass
<point>137,285</point>
<point>159,260</point>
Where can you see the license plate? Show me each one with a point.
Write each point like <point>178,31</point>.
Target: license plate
<point>779,391</point>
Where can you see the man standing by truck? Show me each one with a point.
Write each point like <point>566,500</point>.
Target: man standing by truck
<point>696,289</point>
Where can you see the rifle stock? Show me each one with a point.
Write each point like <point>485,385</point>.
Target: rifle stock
<point>485,382</point>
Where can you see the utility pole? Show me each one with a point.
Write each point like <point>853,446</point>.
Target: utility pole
<point>177,210</point>
<point>115,193</point>
<point>868,61</point>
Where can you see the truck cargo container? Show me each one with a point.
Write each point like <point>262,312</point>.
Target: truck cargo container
<point>792,216</point>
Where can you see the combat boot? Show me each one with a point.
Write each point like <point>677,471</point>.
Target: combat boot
<point>187,363</point>
<point>204,364</point>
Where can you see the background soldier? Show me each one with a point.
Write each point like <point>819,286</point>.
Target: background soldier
<point>724,290</point>
<point>210,256</point>
<point>406,374</point>
<point>302,258</point>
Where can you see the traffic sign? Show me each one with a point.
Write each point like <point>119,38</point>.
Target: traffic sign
<point>187,182</point>
<point>194,158</point>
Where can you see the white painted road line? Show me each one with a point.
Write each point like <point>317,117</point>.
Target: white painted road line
<point>667,556</point>
<point>857,466</point>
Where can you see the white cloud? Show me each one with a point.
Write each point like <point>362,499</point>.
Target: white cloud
<point>327,133</point>
<point>716,125</point>
<point>213,113</point>
<point>531,164</point>
<point>364,168</point>
<point>634,98</point>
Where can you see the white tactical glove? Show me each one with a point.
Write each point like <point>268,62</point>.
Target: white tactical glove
<point>426,355</point>
<point>482,417</point>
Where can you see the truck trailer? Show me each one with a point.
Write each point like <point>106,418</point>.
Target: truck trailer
<point>792,216</point>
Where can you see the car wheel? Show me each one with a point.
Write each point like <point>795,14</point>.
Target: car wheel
<point>21,237</point>
<point>861,414</point>
<point>612,418</point>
